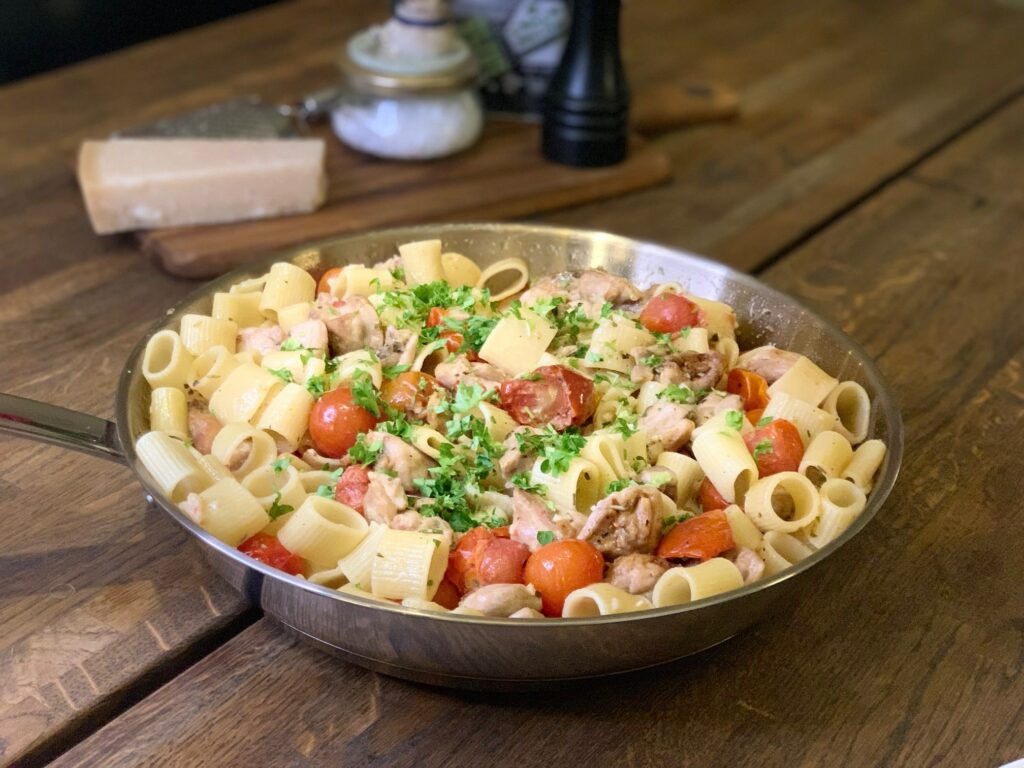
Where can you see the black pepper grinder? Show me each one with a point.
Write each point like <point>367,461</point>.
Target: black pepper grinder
<point>586,109</point>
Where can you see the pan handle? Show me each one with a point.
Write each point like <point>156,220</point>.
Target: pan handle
<point>60,426</point>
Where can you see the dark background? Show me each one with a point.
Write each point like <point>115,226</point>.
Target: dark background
<point>37,35</point>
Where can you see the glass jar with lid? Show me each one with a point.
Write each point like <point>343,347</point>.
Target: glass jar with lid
<point>404,100</point>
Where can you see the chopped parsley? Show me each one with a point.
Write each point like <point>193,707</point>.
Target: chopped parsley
<point>277,508</point>
<point>281,464</point>
<point>556,449</point>
<point>363,392</point>
<point>734,419</point>
<point>762,448</point>
<point>283,374</point>
<point>363,452</point>
<point>317,385</point>
<point>390,371</point>
<point>291,344</point>
<point>522,480</point>
<point>606,309</point>
<point>669,522</point>
<point>397,425</point>
<point>652,361</point>
<point>545,537</point>
<point>680,393</point>
<point>452,484</point>
<point>625,422</point>
<point>764,421</point>
<point>546,305</point>
<point>618,485</point>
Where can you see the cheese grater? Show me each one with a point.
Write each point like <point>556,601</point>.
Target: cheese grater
<point>247,118</point>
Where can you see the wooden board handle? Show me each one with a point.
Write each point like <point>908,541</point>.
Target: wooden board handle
<point>663,107</point>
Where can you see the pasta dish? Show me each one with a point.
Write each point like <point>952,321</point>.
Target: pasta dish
<point>426,432</point>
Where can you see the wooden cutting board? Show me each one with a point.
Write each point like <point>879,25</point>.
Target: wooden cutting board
<point>502,176</point>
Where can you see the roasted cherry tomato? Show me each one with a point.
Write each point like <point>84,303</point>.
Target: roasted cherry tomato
<point>447,595</point>
<point>558,568</point>
<point>669,313</point>
<point>699,538</point>
<point>776,447</point>
<point>755,415</point>
<point>408,390</point>
<point>351,486</point>
<point>328,277</point>
<point>553,394</point>
<point>483,556</point>
<point>709,497</point>
<point>336,421</point>
<point>753,389</point>
<point>453,339</point>
<point>267,549</point>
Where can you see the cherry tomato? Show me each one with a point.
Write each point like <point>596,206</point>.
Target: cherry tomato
<point>749,386</point>
<point>560,397</point>
<point>486,556</point>
<point>699,538</point>
<point>558,568</point>
<point>669,313</point>
<point>447,595</point>
<point>776,447</point>
<point>351,486</point>
<point>336,421</point>
<point>453,339</point>
<point>328,277</point>
<point>709,497</point>
<point>267,549</point>
<point>408,389</point>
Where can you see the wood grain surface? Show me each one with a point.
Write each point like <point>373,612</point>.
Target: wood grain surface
<point>101,601</point>
<point>906,649</point>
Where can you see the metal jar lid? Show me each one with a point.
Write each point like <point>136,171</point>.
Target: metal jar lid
<point>368,72</point>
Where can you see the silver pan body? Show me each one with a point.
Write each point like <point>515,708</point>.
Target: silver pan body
<point>481,653</point>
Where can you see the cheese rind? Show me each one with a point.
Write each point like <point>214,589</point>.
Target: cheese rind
<point>146,183</point>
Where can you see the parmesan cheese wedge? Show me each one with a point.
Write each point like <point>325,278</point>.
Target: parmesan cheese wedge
<point>146,183</point>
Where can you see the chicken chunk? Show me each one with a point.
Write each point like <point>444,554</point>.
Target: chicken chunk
<point>591,288</point>
<point>715,403</point>
<point>636,573</point>
<point>526,613</point>
<point>260,341</point>
<point>501,599</point>
<point>384,498</point>
<point>512,460</point>
<point>662,478</point>
<point>202,428</point>
<point>626,522</point>
<point>399,347</point>
<point>414,521</point>
<point>352,324</point>
<point>668,427</point>
<point>399,457</point>
<point>749,564</point>
<point>530,516</point>
<point>696,370</point>
<point>312,334</point>
<point>461,371</point>
<point>768,362</point>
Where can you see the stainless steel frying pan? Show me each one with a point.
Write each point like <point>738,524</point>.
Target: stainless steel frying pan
<point>483,653</point>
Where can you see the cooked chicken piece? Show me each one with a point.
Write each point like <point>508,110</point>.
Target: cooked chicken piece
<point>530,516</point>
<point>715,403</point>
<point>668,427</point>
<point>312,334</point>
<point>501,599</point>
<point>636,573</point>
<point>750,565</point>
<point>768,362</point>
<point>384,498</point>
<point>319,461</point>
<point>351,324</point>
<point>193,508</point>
<point>461,371</point>
<point>512,460</point>
<point>591,287</point>
<point>390,265</point>
<point>662,478</point>
<point>261,341</point>
<point>414,521</point>
<point>549,287</point>
<point>399,347</point>
<point>202,428</point>
<point>526,613</point>
<point>401,458</point>
<point>432,412</point>
<point>696,370</point>
<point>627,522</point>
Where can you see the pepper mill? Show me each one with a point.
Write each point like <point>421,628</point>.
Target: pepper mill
<point>586,109</point>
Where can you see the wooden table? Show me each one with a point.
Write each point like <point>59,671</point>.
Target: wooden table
<point>875,174</point>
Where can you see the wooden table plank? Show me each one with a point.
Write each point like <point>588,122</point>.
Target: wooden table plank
<point>836,99</point>
<point>906,649</point>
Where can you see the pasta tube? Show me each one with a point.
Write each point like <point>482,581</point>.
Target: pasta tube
<point>322,531</point>
<point>841,503</point>
<point>686,471</point>
<point>242,309</point>
<point>780,550</point>
<point>851,406</point>
<point>210,369</point>
<point>458,270</point>
<point>744,532</point>
<point>805,381</point>
<point>809,420</point>
<point>504,278</point>
<point>243,393</point>
<point>785,501</point>
<point>726,462</point>
<point>230,512</point>
<point>422,261</point>
<point>357,565</point>
<point>516,345</point>
<point>579,487</point>
<point>602,599</point>
<point>168,412</point>
<point>826,457</point>
<point>174,470</point>
<point>166,362</point>
<point>677,586</point>
<point>864,464</point>
<point>287,414</point>
<point>242,448</point>
<point>287,284</point>
<point>409,564</point>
